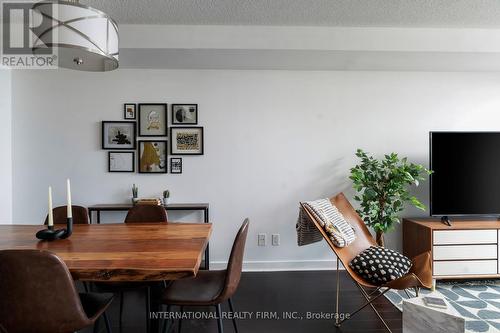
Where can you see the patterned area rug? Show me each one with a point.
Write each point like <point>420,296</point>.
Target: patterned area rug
<point>478,302</point>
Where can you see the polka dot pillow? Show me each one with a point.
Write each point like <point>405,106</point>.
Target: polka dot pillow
<point>379,265</point>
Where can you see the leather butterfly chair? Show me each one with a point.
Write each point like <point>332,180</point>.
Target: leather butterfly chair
<point>210,288</point>
<point>39,295</point>
<point>80,215</point>
<point>137,214</point>
<point>419,276</point>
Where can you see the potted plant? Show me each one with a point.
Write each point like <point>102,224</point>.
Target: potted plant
<point>135,193</point>
<point>166,196</point>
<point>382,188</point>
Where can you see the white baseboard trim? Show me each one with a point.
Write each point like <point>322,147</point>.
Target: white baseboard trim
<point>275,266</point>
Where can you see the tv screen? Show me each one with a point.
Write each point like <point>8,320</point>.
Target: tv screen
<point>466,178</point>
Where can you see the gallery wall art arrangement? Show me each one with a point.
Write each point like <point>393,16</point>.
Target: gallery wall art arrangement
<point>150,120</point>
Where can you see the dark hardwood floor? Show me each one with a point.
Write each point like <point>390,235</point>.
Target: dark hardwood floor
<point>276,292</point>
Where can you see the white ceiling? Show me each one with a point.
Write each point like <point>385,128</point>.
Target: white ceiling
<point>381,13</point>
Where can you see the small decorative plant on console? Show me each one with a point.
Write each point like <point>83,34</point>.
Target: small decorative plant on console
<point>135,193</point>
<point>383,189</point>
<point>166,196</point>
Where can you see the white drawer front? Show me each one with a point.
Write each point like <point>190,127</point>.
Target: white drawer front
<point>465,237</point>
<point>465,267</point>
<point>457,252</point>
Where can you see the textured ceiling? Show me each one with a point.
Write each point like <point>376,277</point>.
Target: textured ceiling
<point>382,13</point>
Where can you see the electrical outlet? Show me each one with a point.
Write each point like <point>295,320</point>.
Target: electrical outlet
<point>275,240</point>
<point>261,239</point>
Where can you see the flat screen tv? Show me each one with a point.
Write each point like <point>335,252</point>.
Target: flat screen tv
<point>466,178</point>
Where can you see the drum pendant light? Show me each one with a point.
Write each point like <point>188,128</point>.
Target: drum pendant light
<point>83,38</point>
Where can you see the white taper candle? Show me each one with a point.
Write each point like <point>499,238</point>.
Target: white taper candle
<point>51,215</point>
<point>68,193</point>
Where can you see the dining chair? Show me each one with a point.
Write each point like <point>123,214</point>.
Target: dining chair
<point>137,214</point>
<point>80,215</point>
<point>39,295</point>
<point>419,276</point>
<point>210,288</point>
<point>146,213</point>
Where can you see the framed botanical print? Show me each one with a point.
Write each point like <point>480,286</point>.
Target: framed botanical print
<point>121,161</point>
<point>186,140</point>
<point>118,134</point>
<point>153,156</point>
<point>184,114</point>
<point>152,119</point>
<point>176,165</point>
<point>129,111</point>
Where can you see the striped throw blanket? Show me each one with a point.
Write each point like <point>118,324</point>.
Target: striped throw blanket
<point>331,220</point>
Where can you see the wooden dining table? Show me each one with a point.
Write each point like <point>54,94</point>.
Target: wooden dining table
<point>120,252</point>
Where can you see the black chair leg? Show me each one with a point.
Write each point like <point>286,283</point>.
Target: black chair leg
<point>148,308</point>
<point>166,321</point>
<point>121,310</point>
<point>180,319</point>
<point>219,318</point>
<point>106,322</point>
<point>96,325</point>
<point>232,315</point>
<point>85,287</point>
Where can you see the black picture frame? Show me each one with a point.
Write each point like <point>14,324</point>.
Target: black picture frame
<point>141,109</point>
<point>175,115</point>
<point>178,160</point>
<point>110,153</point>
<point>172,139</point>
<point>125,116</point>
<point>107,146</point>
<point>139,156</point>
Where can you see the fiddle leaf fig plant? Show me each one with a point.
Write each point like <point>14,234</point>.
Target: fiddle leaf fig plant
<point>383,189</point>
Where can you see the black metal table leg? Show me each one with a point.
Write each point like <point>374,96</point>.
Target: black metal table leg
<point>219,318</point>
<point>207,250</point>
<point>155,306</point>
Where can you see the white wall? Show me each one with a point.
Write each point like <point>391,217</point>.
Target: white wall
<point>272,138</point>
<point>5,147</point>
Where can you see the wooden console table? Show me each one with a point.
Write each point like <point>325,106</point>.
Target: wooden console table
<point>467,249</point>
<point>204,207</point>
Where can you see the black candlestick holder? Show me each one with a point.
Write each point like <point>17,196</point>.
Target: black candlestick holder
<point>69,228</point>
<point>51,234</point>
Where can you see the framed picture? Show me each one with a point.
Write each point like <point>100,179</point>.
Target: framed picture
<point>152,119</point>
<point>153,156</point>
<point>129,111</point>
<point>121,161</point>
<point>118,134</point>
<point>185,114</point>
<point>175,165</point>
<point>186,140</point>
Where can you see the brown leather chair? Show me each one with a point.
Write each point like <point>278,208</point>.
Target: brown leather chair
<point>146,213</point>
<point>80,215</point>
<point>39,295</point>
<point>419,276</point>
<point>210,288</point>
